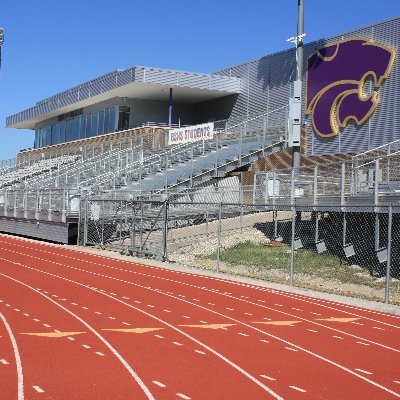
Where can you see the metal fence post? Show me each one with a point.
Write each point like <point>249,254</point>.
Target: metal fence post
<point>292,245</point>
<point>219,236</point>
<point>389,249</point>
<point>165,232</point>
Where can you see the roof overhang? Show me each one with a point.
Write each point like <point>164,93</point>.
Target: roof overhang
<point>136,82</point>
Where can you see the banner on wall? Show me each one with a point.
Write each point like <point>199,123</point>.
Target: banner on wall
<point>189,134</point>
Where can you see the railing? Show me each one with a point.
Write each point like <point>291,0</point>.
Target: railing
<point>340,183</point>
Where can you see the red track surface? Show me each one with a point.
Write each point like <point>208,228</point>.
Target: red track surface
<point>80,326</point>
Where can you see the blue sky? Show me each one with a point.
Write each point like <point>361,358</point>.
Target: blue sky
<point>51,46</point>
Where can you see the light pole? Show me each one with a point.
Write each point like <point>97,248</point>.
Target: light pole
<point>295,103</point>
<point>1,41</point>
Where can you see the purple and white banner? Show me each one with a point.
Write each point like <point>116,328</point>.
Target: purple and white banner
<point>193,133</point>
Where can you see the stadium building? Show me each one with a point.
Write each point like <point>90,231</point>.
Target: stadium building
<point>116,132</point>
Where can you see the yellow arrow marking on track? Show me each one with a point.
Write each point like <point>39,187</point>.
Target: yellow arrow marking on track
<point>133,330</point>
<point>338,319</point>
<point>53,334</point>
<point>277,323</point>
<point>210,326</point>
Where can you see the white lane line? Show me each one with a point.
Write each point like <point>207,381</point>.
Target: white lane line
<point>70,338</point>
<point>230,309</point>
<point>315,313</point>
<point>200,352</point>
<point>363,371</point>
<point>159,336</point>
<point>47,325</point>
<point>211,304</point>
<point>4,362</point>
<point>398,382</point>
<point>211,350</point>
<point>97,312</point>
<point>74,304</point>
<point>306,299</point>
<point>312,330</point>
<point>86,346</point>
<point>203,322</point>
<point>183,396</point>
<point>111,318</point>
<point>298,389</point>
<point>36,320</point>
<point>177,343</point>
<point>247,313</point>
<point>279,305</point>
<point>26,315</point>
<point>263,340</point>
<point>126,323</point>
<point>337,337</point>
<point>167,310</point>
<point>185,316</point>
<point>159,384</point>
<point>16,309</point>
<point>120,358</point>
<point>124,297</point>
<point>357,323</point>
<point>377,327</point>
<point>38,389</point>
<point>290,348</point>
<point>243,334</point>
<point>85,308</point>
<point>17,358</point>
<point>267,377</point>
<point>150,305</point>
<point>100,353</point>
<point>364,344</point>
<point>297,309</point>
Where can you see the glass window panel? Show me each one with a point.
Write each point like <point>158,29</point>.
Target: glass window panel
<point>62,132</point>
<point>100,131</point>
<point>112,119</point>
<point>75,125</point>
<point>89,125</point>
<point>36,142</point>
<point>123,117</point>
<point>55,134</point>
<point>106,120</point>
<point>69,136</point>
<point>82,127</point>
<point>95,123</point>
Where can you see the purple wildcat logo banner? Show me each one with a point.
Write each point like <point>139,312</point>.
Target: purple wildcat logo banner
<point>336,74</point>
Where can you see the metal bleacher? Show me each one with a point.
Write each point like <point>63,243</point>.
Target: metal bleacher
<point>50,188</point>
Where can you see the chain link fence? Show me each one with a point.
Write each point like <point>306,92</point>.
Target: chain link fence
<point>352,251</point>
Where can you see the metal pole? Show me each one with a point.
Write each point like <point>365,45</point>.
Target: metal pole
<point>170,108</point>
<point>219,236</point>
<point>292,246</point>
<point>165,232</point>
<point>389,248</point>
<point>299,70</point>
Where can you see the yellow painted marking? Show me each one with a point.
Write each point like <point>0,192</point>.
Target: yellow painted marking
<point>210,326</point>
<point>277,323</point>
<point>133,330</point>
<point>53,334</point>
<point>338,319</point>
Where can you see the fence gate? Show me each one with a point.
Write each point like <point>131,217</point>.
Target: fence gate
<point>131,227</point>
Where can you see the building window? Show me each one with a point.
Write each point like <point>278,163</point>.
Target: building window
<point>123,117</point>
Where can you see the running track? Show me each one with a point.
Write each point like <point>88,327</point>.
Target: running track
<point>80,326</point>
